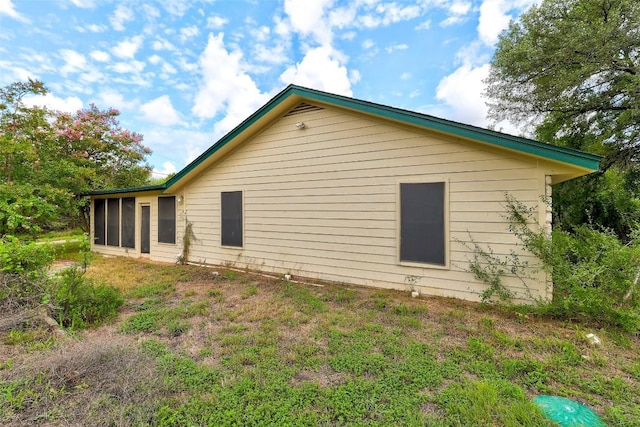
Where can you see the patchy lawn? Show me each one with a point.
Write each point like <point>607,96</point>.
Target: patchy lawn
<point>197,346</point>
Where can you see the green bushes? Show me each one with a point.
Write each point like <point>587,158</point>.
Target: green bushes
<point>78,302</point>
<point>595,275</point>
<point>23,280</point>
<point>23,257</point>
<point>70,298</point>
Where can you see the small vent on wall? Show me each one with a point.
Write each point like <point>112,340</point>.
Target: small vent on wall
<point>303,108</point>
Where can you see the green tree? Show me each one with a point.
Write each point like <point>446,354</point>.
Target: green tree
<point>25,201</point>
<point>49,159</point>
<point>570,69</point>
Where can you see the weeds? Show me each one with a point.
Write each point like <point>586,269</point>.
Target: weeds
<point>290,355</point>
<point>79,302</point>
<point>594,273</point>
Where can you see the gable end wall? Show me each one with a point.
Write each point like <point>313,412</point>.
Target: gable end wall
<point>322,202</point>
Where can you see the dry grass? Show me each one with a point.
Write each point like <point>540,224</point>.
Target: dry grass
<point>233,324</point>
<point>101,380</point>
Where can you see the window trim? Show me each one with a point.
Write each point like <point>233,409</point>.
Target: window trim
<point>242,201</point>
<point>447,224</point>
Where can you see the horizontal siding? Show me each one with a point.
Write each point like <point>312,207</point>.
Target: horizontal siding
<point>322,202</point>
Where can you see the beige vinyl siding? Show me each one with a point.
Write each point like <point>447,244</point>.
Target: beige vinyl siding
<point>322,202</point>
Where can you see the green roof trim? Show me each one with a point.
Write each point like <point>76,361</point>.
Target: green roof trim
<point>158,187</point>
<point>498,139</point>
<point>529,146</point>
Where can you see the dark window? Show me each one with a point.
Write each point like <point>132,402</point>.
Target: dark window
<point>422,223</point>
<point>113,222</point>
<point>167,219</point>
<point>231,207</point>
<point>98,222</point>
<point>128,222</point>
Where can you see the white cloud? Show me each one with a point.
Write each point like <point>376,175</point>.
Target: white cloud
<point>342,17</point>
<point>281,27</point>
<point>162,44</point>
<point>320,69</point>
<point>74,62</point>
<point>110,98</point>
<point>306,18</point>
<point>164,141</point>
<point>8,8</point>
<point>150,11</point>
<point>128,47</point>
<point>70,104</point>
<point>168,68</point>
<point>216,22</point>
<point>368,44</point>
<point>128,67</point>
<point>405,76</point>
<point>167,169</point>
<point>495,17</point>
<point>95,28</point>
<point>84,4</point>
<point>225,88</point>
<point>99,56</point>
<point>176,7</point>
<point>461,92</point>
<point>424,25</point>
<point>389,13</point>
<point>160,111</point>
<point>16,73</point>
<point>155,59</point>
<point>186,65</point>
<point>392,12</point>
<point>452,20</point>
<point>272,55</point>
<point>188,32</point>
<point>460,7</point>
<point>394,47</point>
<point>475,54</point>
<point>120,16</point>
<point>260,34</point>
<point>91,76</point>
<point>354,76</point>
<point>349,35</point>
<point>458,11</point>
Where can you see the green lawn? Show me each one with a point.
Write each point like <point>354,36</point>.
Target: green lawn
<point>195,348</point>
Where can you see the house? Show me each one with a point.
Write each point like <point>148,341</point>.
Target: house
<point>328,187</point>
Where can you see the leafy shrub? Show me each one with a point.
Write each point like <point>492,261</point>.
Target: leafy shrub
<point>595,275</point>
<point>18,257</point>
<point>80,303</point>
<point>593,272</point>
<point>23,280</point>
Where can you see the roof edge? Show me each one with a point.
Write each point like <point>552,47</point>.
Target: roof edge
<point>158,187</point>
<point>548,151</point>
<point>526,145</point>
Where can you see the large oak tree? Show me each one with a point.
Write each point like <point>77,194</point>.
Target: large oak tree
<point>571,69</point>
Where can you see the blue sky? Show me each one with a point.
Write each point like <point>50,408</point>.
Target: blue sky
<point>184,73</point>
